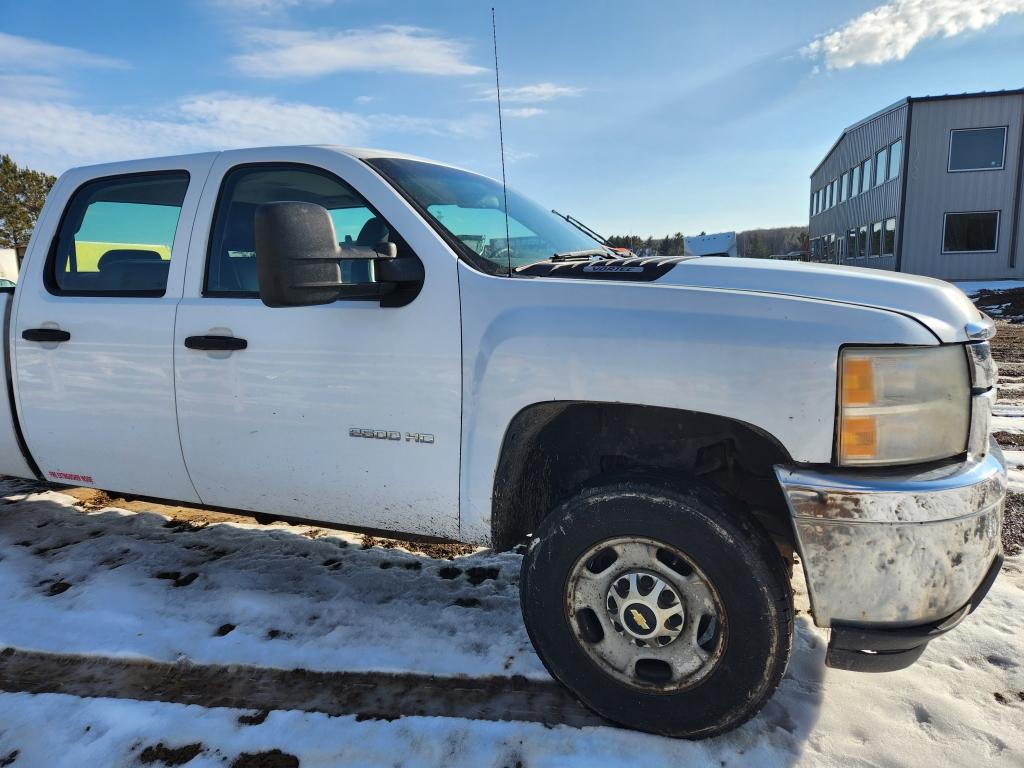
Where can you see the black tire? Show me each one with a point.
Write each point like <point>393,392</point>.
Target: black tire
<point>733,553</point>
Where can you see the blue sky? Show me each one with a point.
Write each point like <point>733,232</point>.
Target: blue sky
<point>637,117</point>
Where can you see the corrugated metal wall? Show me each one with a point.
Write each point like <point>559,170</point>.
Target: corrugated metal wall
<point>932,191</point>
<point>876,204</point>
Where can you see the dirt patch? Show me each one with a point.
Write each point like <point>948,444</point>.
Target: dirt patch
<point>1009,439</point>
<point>58,587</point>
<point>9,759</point>
<point>479,574</point>
<point>159,753</point>
<point>1006,305</point>
<point>275,758</point>
<point>449,572</point>
<point>1013,524</point>
<point>1008,347</point>
<point>467,602</point>
<point>177,578</point>
<point>254,689</point>
<point>439,550</point>
<point>256,718</point>
<point>224,629</point>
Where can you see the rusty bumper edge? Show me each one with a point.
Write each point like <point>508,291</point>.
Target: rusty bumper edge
<point>886,650</point>
<point>896,549</point>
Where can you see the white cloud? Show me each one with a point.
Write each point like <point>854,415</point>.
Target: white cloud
<point>276,53</point>
<point>55,135</point>
<point>522,112</point>
<point>364,99</point>
<point>31,86</point>
<point>23,54</point>
<point>889,32</point>
<point>528,94</point>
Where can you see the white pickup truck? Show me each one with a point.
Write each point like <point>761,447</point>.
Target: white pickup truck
<point>364,339</point>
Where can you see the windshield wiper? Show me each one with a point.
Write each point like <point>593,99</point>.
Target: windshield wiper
<point>582,228</point>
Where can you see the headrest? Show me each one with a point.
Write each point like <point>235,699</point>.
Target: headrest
<point>125,254</point>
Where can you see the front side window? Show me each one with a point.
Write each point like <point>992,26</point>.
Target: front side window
<point>231,261</point>
<point>889,237</point>
<point>862,242</point>
<point>855,182</point>
<point>471,210</point>
<point>881,166</point>
<point>974,232</point>
<point>116,236</point>
<point>977,149</point>
<point>895,158</point>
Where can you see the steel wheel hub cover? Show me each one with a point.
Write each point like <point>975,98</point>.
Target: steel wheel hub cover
<point>646,608</point>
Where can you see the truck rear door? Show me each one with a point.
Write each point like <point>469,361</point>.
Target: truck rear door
<point>93,326</point>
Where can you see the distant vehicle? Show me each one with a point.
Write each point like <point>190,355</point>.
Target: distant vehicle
<point>717,244</point>
<point>367,339</point>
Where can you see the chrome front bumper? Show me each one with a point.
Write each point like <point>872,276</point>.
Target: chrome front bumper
<point>893,550</point>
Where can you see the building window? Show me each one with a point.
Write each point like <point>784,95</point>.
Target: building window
<point>835,191</point>
<point>875,246</point>
<point>977,149</point>
<point>889,237</point>
<point>851,243</point>
<point>881,165</point>
<point>828,196</point>
<point>895,159</point>
<point>813,207</point>
<point>844,187</point>
<point>972,232</point>
<point>865,175</point>
<point>855,182</point>
<point>862,242</point>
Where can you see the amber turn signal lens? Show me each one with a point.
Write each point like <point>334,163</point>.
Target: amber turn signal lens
<point>858,381</point>
<point>859,437</point>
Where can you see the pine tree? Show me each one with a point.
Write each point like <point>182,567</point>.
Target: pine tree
<point>22,194</point>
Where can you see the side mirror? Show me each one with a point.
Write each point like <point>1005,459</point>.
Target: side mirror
<point>297,258</point>
<point>298,261</point>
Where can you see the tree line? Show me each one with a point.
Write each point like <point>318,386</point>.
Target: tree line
<point>22,194</point>
<point>752,243</point>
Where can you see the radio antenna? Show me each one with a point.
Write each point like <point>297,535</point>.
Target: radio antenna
<point>501,139</point>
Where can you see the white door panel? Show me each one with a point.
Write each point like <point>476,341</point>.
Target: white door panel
<point>99,408</point>
<point>267,428</point>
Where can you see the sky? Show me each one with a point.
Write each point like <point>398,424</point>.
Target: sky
<point>638,118</point>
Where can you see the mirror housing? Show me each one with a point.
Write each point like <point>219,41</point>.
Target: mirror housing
<point>298,261</point>
<point>296,255</point>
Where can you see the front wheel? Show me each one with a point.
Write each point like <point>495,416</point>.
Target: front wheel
<point>662,609</point>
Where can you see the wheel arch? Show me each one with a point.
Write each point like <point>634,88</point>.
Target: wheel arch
<point>553,449</point>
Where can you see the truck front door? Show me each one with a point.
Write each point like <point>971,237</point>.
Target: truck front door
<point>94,325</point>
<point>348,412</point>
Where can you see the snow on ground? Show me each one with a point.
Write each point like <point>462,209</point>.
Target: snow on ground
<point>116,583</point>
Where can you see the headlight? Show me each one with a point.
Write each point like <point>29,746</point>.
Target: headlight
<point>902,405</point>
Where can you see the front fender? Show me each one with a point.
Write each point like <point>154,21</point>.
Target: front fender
<point>768,360</point>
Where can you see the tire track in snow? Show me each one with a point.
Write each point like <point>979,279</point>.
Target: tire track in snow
<point>368,695</point>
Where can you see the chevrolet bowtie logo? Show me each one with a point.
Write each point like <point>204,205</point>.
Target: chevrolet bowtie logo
<point>639,619</point>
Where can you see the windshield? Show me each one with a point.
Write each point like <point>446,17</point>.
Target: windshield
<point>471,209</point>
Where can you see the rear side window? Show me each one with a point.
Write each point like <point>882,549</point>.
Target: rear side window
<point>116,236</point>
<point>231,262</point>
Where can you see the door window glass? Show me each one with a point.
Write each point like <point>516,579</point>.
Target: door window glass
<point>231,262</point>
<point>116,236</point>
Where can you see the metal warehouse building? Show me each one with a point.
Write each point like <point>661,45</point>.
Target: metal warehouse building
<point>928,185</point>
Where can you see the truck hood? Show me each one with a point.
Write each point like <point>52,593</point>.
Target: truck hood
<point>940,306</point>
